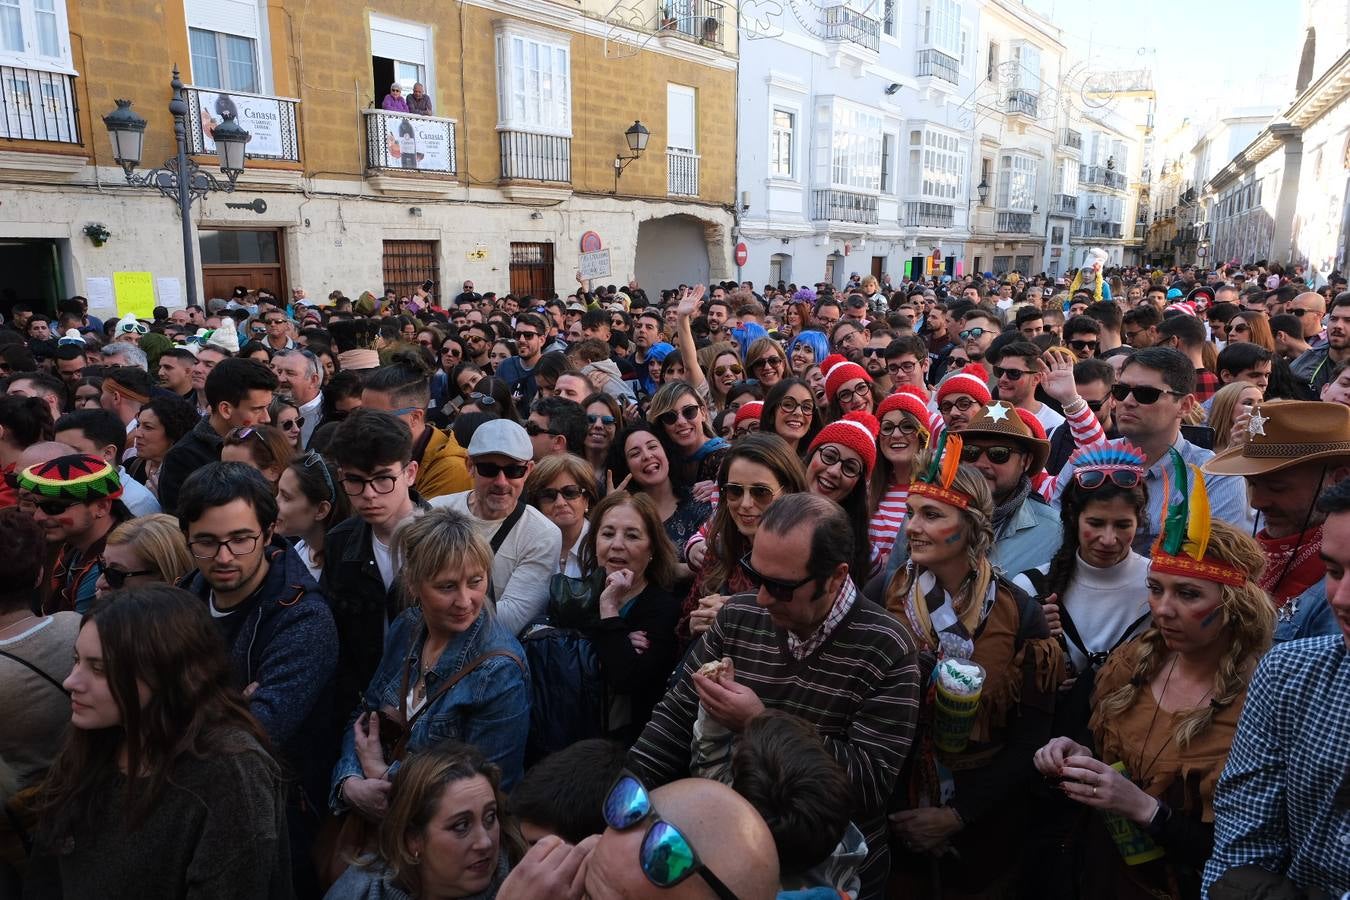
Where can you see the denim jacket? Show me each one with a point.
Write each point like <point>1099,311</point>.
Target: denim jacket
<point>1307,615</point>
<point>489,708</point>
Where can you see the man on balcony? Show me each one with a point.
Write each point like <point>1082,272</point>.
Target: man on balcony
<point>419,103</point>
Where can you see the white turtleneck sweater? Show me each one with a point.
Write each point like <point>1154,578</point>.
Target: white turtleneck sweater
<point>1103,603</point>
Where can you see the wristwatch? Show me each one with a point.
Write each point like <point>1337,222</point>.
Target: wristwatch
<point>1160,817</point>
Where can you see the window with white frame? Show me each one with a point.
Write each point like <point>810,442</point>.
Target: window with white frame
<point>534,80</point>
<point>680,118</point>
<point>1066,177</point>
<point>887,163</point>
<point>1027,72</point>
<point>855,154</point>
<point>226,41</point>
<point>408,46</point>
<point>942,26</point>
<point>1017,182</point>
<point>936,163</point>
<point>781,135</point>
<point>35,34</point>
<point>888,17</point>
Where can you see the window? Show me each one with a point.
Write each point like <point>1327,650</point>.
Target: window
<point>680,118</point>
<point>855,151</point>
<point>408,264</point>
<point>400,52</point>
<point>34,34</point>
<point>992,70</point>
<point>1002,265</point>
<point>936,161</point>
<point>887,156</point>
<point>780,268</point>
<point>780,147</point>
<point>965,42</point>
<point>888,17</point>
<point>1017,182</point>
<point>1056,234</point>
<point>531,269</point>
<point>942,26</point>
<point>534,81</point>
<point>1066,177</point>
<point>225,39</point>
<point>1027,72</point>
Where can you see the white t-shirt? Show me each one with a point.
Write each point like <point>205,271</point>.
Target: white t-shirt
<point>382,561</point>
<point>1049,419</point>
<point>315,571</point>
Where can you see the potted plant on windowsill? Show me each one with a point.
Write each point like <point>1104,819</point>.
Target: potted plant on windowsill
<point>667,18</point>
<point>98,233</point>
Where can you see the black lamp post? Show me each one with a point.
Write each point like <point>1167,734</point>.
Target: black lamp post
<point>982,189</point>
<point>180,178</point>
<point>636,137</point>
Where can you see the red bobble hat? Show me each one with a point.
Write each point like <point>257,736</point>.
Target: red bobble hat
<point>751,410</point>
<point>841,373</point>
<point>1037,429</point>
<point>914,389</point>
<point>857,431</point>
<point>971,380</point>
<point>831,361</point>
<point>904,402</point>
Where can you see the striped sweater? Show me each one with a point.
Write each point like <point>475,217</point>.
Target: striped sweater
<point>860,689</point>
<point>887,521</point>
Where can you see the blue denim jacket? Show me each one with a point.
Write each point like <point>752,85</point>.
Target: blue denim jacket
<point>489,708</point>
<point>1307,615</point>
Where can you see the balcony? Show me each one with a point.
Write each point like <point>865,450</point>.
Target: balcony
<point>681,173</point>
<point>1092,229</point>
<point>697,20</point>
<point>1102,177</point>
<point>400,142</point>
<point>1071,139</point>
<point>843,206</point>
<point>38,106</point>
<point>1064,204</point>
<point>1012,223</point>
<point>842,23</point>
<point>1023,103</point>
<point>270,120</point>
<point>922,214</point>
<point>1140,229</point>
<point>536,157</point>
<point>935,63</point>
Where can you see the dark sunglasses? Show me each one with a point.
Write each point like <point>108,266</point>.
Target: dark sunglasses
<point>604,420</point>
<point>294,424</point>
<point>116,578</point>
<point>526,335</point>
<point>1092,479</point>
<point>690,413</point>
<point>492,470</point>
<point>776,588</point>
<point>534,429</point>
<point>771,360</point>
<point>1010,374</point>
<point>1096,405</point>
<point>569,493</point>
<point>971,333</point>
<point>482,399</point>
<point>1142,393</point>
<point>1083,345</point>
<point>760,493</point>
<point>873,351</point>
<point>48,507</point>
<point>665,856</point>
<point>998,454</point>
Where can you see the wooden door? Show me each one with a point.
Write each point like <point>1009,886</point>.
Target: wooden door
<point>253,258</point>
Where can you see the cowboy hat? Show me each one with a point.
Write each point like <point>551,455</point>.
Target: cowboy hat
<point>1286,434</point>
<point>1000,420</point>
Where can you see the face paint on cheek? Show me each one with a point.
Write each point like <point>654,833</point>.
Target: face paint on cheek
<point>65,521</point>
<point>1208,617</point>
<point>954,537</point>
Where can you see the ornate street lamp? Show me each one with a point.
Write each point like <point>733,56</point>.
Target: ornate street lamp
<point>180,178</point>
<point>982,189</point>
<point>636,136</point>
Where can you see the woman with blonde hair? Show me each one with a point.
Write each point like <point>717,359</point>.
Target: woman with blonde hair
<point>449,668</point>
<point>447,833</point>
<point>1165,710</point>
<point>144,550</point>
<point>766,361</point>
<point>1229,402</point>
<point>681,421</point>
<point>963,797</point>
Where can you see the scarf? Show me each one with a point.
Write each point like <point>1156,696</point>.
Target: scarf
<point>1004,511</point>
<point>1293,564</point>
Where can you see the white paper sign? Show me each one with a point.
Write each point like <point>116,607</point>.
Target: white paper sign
<point>169,291</point>
<point>594,264</point>
<point>99,293</point>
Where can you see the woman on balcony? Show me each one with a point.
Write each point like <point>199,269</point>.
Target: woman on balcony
<point>393,101</point>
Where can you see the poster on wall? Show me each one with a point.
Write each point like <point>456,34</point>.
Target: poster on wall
<point>261,117</point>
<point>413,142</point>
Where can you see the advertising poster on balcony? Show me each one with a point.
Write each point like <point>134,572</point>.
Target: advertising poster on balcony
<point>414,142</point>
<point>261,117</point>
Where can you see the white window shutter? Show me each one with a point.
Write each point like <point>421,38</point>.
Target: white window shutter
<point>238,17</point>
<point>680,118</point>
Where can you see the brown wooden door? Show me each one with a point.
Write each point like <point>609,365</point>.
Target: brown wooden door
<point>253,258</point>
<point>532,270</point>
<point>878,263</point>
<point>409,263</point>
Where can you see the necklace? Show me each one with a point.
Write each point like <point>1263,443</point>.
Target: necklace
<point>1141,777</point>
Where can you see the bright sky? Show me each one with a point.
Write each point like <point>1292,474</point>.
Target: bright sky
<point>1208,57</point>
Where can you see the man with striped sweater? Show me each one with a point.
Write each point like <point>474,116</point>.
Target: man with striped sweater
<point>806,643</point>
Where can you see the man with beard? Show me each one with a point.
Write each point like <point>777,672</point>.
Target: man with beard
<point>962,395</point>
<point>978,330</point>
<point>1315,366</point>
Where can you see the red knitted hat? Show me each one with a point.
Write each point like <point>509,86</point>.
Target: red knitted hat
<point>751,410</point>
<point>840,373</point>
<point>921,393</point>
<point>831,361</point>
<point>971,380</point>
<point>1037,429</point>
<point>906,401</point>
<point>857,431</point>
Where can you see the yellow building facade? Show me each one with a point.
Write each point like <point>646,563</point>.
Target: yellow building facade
<point>497,183</point>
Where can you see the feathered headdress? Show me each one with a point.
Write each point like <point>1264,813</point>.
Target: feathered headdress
<point>1107,459</point>
<point>936,480</point>
<point>1180,547</point>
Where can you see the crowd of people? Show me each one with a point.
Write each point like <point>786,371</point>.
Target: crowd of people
<point>961,587</point>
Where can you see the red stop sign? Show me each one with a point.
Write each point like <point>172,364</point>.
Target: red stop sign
<point>742,253</point>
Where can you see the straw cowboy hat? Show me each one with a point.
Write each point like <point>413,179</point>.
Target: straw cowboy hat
<point>1286,434</point>
<point>1000,420</point>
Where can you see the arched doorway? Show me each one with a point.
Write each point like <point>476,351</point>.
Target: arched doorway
<point>672,250</point>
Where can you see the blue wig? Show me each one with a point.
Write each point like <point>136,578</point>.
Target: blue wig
<point>746,335</point>
<point>816,340</point>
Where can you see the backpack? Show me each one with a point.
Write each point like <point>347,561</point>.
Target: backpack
<point>568,696</point>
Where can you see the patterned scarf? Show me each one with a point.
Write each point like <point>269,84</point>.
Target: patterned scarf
<point>1004,511</point>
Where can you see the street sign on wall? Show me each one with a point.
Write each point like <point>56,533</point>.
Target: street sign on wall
<point>742,253</point>
<point>594,264</point>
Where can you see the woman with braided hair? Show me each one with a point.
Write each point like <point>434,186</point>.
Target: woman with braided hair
<point>1165,709</point>
<point>961,800</point>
